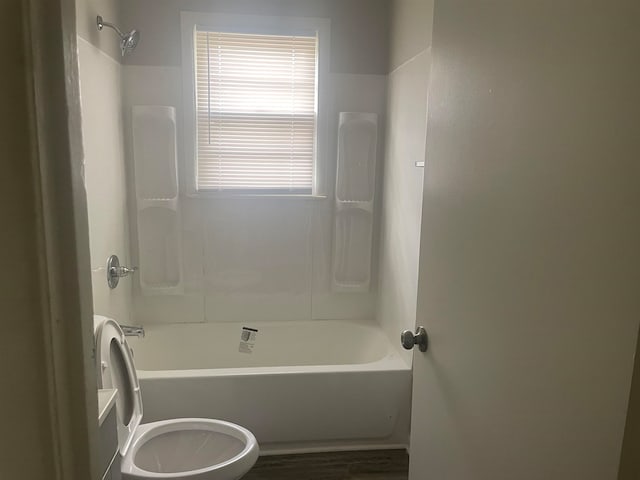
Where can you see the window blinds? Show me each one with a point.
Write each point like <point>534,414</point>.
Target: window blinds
<point>256,112</point>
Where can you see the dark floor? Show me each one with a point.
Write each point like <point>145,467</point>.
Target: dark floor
<point>364,465</point>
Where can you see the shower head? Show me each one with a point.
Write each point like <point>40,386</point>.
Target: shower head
<point>128,41</point>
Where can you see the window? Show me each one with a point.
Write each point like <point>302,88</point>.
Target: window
<point>255,109</point>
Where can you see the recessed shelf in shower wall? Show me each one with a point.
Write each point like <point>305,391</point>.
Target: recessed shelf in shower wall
<point>355,194</point>
<point>158,213</point>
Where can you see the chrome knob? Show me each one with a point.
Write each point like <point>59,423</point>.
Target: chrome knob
<point>410,339</point>
<point>115,271</point>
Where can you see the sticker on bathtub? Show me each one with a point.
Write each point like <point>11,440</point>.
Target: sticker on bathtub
<point>247,340</point>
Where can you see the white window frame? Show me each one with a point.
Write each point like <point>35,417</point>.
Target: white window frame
<point>257,24</point>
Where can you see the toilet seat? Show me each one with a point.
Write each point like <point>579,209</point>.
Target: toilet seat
<point>187,447</point>
<point>182,448</point>
<point>118,371</point>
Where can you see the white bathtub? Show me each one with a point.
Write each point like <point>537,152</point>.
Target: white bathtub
<point>305,386</point>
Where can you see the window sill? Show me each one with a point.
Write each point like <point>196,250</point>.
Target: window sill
<point>261,196</point>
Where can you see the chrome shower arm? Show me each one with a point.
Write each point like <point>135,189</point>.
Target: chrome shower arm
<point>101,24</point>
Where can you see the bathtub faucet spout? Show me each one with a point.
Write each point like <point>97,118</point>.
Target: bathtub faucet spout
<point>130,331</point>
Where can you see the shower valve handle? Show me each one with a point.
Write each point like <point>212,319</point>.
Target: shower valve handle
<point>123,271</point>
<point>115,271</point>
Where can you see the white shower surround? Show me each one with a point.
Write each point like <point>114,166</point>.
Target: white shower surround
<point>307,386</point>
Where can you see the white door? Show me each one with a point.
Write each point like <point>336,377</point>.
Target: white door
<point>529,268</point>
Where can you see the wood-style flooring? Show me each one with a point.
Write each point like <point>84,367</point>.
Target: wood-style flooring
<point>364,465</point>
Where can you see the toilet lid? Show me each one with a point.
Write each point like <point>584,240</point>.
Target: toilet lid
<point>118,371</point>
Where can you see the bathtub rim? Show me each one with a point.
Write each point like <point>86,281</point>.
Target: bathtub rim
<point>390,363</point>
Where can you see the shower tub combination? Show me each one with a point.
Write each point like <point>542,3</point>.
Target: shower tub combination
<point>298,386</point>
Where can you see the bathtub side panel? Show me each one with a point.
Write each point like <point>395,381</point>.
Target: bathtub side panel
<point>291,408</point>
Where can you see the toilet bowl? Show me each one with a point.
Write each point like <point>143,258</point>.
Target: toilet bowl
<point>181,448</point>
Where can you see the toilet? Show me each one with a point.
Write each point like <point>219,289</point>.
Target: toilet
<point>181,448</point>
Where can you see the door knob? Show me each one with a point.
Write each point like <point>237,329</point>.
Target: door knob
<point>420,338</point>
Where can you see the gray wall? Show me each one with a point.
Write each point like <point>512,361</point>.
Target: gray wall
<point>359,28</point>
<point>107,40</point>
<point>411,25</point>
